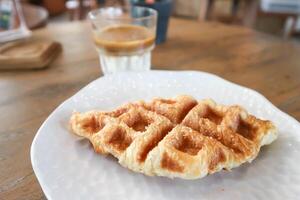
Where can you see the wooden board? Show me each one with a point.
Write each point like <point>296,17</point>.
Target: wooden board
<point>28,54</point>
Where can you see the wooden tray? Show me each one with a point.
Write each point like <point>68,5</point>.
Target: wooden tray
<point>28,54</point>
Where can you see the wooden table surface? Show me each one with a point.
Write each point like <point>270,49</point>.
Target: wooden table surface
<point>259,61</point>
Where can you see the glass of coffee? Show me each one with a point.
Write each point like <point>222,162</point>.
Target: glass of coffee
<point>124,37</point>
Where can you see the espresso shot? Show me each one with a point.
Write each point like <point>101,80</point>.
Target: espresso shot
<point>124,38</point>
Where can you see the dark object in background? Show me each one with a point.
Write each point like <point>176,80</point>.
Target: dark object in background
<point>164,9</point>
<point>54,7</point>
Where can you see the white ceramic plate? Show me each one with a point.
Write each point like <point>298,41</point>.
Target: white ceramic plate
<point>67,167</point>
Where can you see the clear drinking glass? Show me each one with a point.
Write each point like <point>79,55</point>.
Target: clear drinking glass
<point>124,37</point>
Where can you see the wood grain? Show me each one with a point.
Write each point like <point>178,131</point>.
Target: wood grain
<point>259,61</point>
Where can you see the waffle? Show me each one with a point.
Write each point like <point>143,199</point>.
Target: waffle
<point>178,137</point>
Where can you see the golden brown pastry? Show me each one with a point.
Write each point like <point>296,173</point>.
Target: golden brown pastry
<point>177,137</point>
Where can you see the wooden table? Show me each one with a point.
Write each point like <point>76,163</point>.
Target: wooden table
<point>259,61</point>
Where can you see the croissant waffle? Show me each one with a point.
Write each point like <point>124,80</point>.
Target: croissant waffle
<point>177,137</point>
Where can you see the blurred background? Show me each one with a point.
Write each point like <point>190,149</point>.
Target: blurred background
<point>277,17</point>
